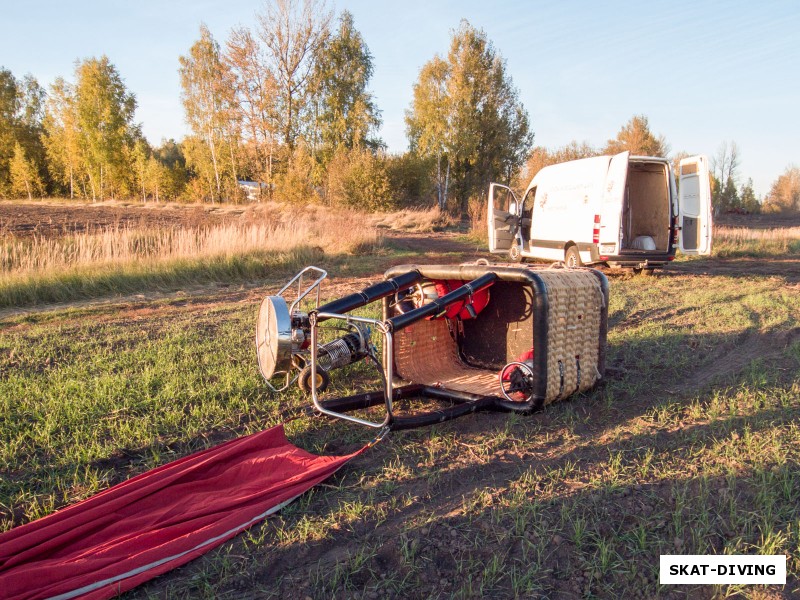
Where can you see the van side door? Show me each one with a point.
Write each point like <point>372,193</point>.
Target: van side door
<point>694,206</point>
<point>502,217</point>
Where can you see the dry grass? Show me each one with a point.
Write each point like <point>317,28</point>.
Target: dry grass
<point>123,245</point>
<point>57,255</point>
<point>479,225</point>
<point>745,241</point>
<point>421,220</point>
<point>120,258</point>
<point>735,234</point>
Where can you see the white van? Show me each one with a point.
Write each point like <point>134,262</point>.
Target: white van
<point>622,210</point>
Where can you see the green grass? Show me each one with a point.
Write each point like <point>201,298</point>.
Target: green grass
<point>134,389</point>
<point>694,448</point>
<point>756,248</point>
<point>97,282</point>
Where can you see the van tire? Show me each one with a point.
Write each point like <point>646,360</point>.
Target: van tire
<point>572,258</point>
<point>515,253</point>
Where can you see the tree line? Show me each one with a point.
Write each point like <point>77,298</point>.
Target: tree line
<point>286,104</point>
<point>79,140</point>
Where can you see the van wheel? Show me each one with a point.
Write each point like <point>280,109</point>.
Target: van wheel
<point>515,253</point>
<point>572,257</point>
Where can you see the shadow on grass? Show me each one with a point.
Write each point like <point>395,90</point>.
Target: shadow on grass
<point>786,266</point>
<point>542,515</point>
<point>602,542</point>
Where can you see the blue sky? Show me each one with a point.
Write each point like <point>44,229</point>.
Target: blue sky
<point>702,72</point>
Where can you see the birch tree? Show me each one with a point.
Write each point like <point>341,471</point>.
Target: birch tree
<point>104,111</point>
<point>346,115</point>
<point>21,110</point>
<point>61,135</point>
<point>427,122</point>
<point>725,163</point>
<point>636,137</point>
<point>784,194</point>
<point>255,92</point>
<point>207,104</point>
<point>25,180</point>
<point>8,119</point>
<point>467,113</point>
<point>725,173</point>
<point>292,32</point>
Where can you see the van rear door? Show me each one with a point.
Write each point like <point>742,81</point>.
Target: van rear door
<point>694,206</point>
<point>502,217</point>
<point>613,200</point>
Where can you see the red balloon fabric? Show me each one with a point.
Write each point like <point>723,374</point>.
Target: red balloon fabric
<point>470,307</point>
<point>159,520</point>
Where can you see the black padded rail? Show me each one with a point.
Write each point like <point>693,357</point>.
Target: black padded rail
<point>440,305</point>
<point>463,404</point>
<point>601,354</point>
<point>374,292</point>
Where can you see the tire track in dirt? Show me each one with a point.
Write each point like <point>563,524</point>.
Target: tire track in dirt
<point>733,357</point>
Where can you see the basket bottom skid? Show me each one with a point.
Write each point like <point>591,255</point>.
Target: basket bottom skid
<point>461,403</point>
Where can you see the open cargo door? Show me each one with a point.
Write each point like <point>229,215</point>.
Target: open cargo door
<point>503,217</point>
<point>614,200</point>
<point>694,201</point>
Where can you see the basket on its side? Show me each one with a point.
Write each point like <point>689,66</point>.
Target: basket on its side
<point>560,314</point>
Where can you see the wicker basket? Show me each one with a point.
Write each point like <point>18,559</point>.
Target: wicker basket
<point>577,320</point>
<point>560,313</point>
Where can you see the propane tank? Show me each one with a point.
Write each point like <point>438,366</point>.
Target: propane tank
<point>341,352</point>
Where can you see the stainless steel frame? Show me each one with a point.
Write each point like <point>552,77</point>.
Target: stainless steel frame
<point>386,372</point>
<point>301,294</point>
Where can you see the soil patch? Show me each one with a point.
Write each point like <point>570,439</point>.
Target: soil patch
<point>55,220</point>
<point>785,267</point>
<point>764,221</point>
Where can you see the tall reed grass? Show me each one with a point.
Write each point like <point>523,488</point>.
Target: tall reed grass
<point>128,259</point>
<point>478,219</point>
<point>746,242</point>
<point>121,245</point>
<point>415,219</point>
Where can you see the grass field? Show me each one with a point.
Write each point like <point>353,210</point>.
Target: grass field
<point>92,251</point>
<point>692,445</point>
<point>743,241</point>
